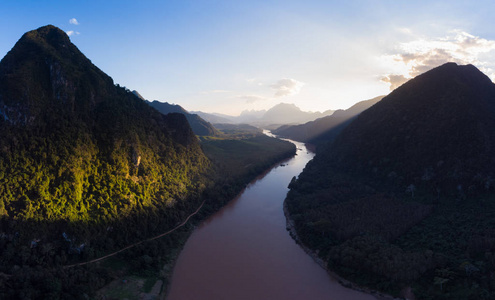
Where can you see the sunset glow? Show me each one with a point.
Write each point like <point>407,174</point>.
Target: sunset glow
<point>228,58</point>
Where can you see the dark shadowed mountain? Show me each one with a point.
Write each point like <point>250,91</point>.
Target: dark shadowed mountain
<point>436,129</point>
<point>325,129</point>
<point>199,125</point>
<point>214,118</point>
<point>404,194</point>
<point>83,149</point>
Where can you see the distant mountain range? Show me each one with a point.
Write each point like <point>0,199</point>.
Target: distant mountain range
<point>280,114</point>
<point>325,129</point>
<point>247,116</point>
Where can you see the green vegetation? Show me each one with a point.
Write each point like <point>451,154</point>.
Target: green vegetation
<point>237,131</point>
<point>225,154</point>
<point>86,168</point>
<point>237,162</point>
<point>387,242</point>
<point>246,157</point>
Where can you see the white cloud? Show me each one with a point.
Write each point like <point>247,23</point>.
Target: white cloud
<point>286,87</point>
<point>255,81</point>
<point>252,98</point>
<point>421,55</point>
<point>73,21</point>
<point>71,33</point>
<point>394,80</point>
<point>215,92</point>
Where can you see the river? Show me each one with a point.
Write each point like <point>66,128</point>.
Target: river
<point>245,252</point>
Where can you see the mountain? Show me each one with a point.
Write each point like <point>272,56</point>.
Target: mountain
<point>77,149</point>
<point>437,126</point>
<point>280,114</point>
<point>403,197</point>
<point>284,113</point>
<point>325,129</point>
<point>248,116</point>
<point>167,108</point>
<point>199,125</point>
<point>214,118</point>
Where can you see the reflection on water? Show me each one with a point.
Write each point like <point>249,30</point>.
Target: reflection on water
<point>245,252</point>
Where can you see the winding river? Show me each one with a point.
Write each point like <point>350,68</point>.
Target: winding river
<point>245,252</point>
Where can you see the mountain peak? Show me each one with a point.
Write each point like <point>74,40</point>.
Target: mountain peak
<point>455,68</point>
<point>286,105</point>
<point>45,71</point>
<point>48,32</point>
<point>47,42</point>
<point>284,108</point>
<point>48,38</point>
<point>450,73</point>
<point>439,122</point>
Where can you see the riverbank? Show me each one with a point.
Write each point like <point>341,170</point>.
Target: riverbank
<point>290,226</point>
<point>129,284</point>
<point>225,189</point>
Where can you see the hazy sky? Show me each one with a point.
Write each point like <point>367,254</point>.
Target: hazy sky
<point>228,56</point>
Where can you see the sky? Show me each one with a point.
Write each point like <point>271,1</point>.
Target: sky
<point>229,56</point>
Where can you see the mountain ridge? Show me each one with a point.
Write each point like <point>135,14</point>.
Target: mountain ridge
<point>324,129</point>
<point>199,126</point>
<point>450,121</point>
<point>279,114</point>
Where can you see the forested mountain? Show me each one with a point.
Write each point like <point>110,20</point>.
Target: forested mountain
<point>325,129</point>
<point>76,147</point>
<point>403,197</point>
<point>199,125</point>
<point>85,167</point>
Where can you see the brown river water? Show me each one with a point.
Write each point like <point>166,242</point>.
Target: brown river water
<point>245,252</point>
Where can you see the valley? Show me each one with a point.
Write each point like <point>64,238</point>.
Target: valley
<point>106,195</point>
<point>245,252</point>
